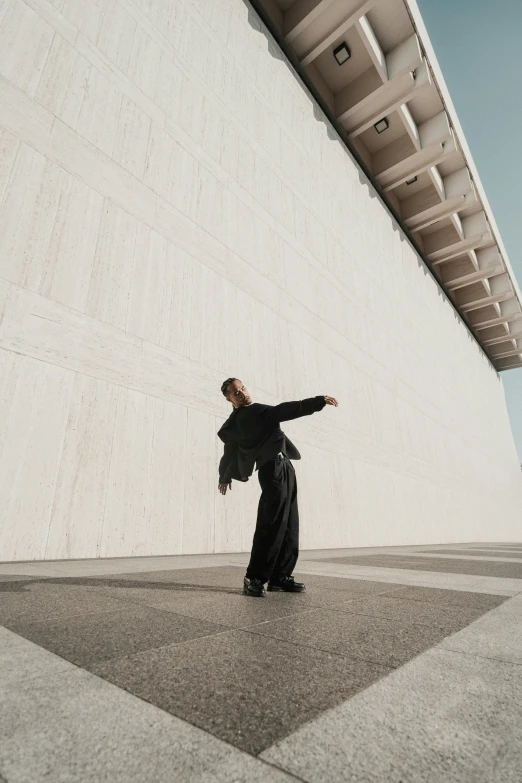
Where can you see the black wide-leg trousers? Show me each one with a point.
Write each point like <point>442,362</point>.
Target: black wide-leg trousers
<point>275,547</point>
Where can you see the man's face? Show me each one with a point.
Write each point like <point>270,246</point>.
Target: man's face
<point>238,395</point>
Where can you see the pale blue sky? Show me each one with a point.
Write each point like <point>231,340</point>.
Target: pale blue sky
<point>477,43</point>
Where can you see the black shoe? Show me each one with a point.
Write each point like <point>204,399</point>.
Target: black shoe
<point>287,584</point>
<point>254,587</point>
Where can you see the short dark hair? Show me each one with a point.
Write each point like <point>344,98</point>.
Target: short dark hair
<point>225,384</point>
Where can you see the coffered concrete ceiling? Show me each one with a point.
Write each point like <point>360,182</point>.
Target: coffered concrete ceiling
<point>386,91</point>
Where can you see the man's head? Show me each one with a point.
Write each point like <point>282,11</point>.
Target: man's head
<point>236,393</point>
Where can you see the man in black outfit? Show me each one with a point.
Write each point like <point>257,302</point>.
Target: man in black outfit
<point>252,436</point>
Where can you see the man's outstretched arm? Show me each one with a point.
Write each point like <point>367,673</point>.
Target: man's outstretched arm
<point>286,411</point>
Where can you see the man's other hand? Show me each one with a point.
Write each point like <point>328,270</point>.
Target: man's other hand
<point>331,400</point>
<point>223,488</point>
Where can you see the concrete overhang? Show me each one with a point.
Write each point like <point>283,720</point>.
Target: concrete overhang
<point>386,78</point>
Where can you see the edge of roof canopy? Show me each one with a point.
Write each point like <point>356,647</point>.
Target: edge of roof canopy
<point>420,30</point>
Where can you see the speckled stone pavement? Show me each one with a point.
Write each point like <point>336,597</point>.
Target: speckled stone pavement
<point>397,665</point>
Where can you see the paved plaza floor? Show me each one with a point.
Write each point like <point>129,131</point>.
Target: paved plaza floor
<point>397,665</point>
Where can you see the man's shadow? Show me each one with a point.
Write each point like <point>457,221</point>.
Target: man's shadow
<point>19,586</point>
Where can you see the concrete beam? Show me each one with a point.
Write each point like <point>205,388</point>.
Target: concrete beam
<point>488,300</point>
<point>436,142</point>
<point>509,311</point>
<point>513,352</point>
<point>487,263</point>
<point>514,333</point>
<point>474,277</point>
<point>436,213</point>
<point>505,339</point>
<point>457,223</point>
<point>372,46</point>
<point>437,181</point>
<point>410,126</point>
<point>408,72</point>
<point>381,101</point>
<point>500,290</point>
<point>415,165</point>
<point>508,364</point>
<point>457,193</point>
<point>476,233</point>
<point>503,319</point>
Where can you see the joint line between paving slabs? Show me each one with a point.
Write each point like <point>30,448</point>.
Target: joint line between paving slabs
<point>322,649</point>
<point>476,654</point>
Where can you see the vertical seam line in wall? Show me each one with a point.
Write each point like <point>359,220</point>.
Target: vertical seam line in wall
<point>10,175</point>
<point>13,394</point>
<point>191,305</point>
<point>123,96</point>
<point>94,255</point>
<point>100,531</point>
<point>100,28</point>
<point>55,34</point>
<point>148,506</point>
<point>59,462</point>
<point>84,94</point>
<point>182,526</point>
<point>307,83</point>
<point>6,9</point>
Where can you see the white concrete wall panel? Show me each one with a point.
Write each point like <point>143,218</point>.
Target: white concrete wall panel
<point>174,210</point>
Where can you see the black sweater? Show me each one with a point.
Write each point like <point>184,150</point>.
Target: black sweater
<point>253,433</point>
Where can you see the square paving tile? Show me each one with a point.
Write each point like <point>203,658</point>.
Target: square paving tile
<point>247,689</point>
<point>488,553</point>
<point>440,565</point>
<point>34,600</point>
<point>374,639</point>
<point>85,638</point>
<point>215,576</point>
<point>449,598</point>
<point>231,608</point>
<point>355,587</point>
<point>448,619</point>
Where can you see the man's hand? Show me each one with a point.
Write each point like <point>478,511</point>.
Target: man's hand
<point>223,488</point>
<point>331,400</point>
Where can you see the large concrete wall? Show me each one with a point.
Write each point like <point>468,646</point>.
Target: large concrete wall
<point>174,211</point>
